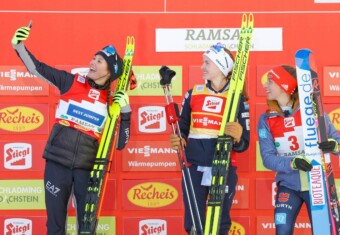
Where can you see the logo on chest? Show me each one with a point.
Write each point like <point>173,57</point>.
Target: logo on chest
<point>289,122</point>
<point>212,104</point>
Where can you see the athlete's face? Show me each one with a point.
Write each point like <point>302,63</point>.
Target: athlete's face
<point>273,91</point>
<point>210,70</point>
<point>99,71</point>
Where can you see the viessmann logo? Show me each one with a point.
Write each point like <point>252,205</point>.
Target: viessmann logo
<point>147,150</point>
<point>13,74</point>
<point>17,226</point>
<point>152,226</point>
<point>17,156</point>
<point>20,119</point>
<point>152,194</point>
<point>151,119</point>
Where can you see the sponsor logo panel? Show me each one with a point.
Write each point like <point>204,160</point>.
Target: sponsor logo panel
<point>200,39</point>
<point>17,81</point>
<point>152,194</point>
<point>333,111</point>
<point>149,156</point>
<point>265,224</point>
<point>150,120</point>
<point>241,198</point>
<point>148,81</point>
<point>37,225</point>
<point>17,226</point>
<point>106,225</point>
<point>22,155</point>
<point>331,80</point>
<point>157,225</point>
<point>22,195</point>
<point>28,119</point>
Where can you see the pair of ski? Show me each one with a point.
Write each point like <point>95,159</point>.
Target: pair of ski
<point>99,175</point>
<point>221,160</point>
<point>325,206</point>
<point>224,145</point>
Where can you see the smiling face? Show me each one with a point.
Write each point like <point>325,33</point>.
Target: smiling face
<point>210,71</point>
<point>273,90</point>
<point>99,71</point>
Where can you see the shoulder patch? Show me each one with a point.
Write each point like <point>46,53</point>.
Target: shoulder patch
<point>81,79</point>
<point>200,87</point>
<point>262,133</point>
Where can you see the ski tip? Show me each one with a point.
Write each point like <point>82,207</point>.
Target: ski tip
<point>29,24</point>
<point>302,58</point>
<point>303,53</point>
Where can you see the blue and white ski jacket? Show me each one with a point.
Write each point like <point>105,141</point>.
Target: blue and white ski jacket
<point>281,139</point>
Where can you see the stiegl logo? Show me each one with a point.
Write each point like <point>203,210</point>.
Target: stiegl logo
<point>18,226</point>
<point>17,156</point>
<point>151,119</point>
<point>152,227</point>
<point>212,104</point>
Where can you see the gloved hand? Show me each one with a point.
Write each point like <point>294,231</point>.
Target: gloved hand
<point>234,129</point>
<point>175,142</point>
<point>329,146</point>
<point>301,163</point>
<point>20,35</point>
<point>121,98</point>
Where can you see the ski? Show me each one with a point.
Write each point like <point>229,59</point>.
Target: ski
<point>99,175</point>
<point>221,160</point>
<point>314,128</point>
<point>172,115</point>
<point>319,112</point>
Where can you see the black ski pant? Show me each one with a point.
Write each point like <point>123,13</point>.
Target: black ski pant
<point>201,194</point>
<point>60,182</point>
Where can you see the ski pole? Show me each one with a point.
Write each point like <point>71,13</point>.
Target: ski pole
<point>172,114</point>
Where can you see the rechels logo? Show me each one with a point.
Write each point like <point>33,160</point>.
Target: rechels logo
<point>152,194</point>
<point>152,226</point>
<point>17,156</point>
<point>17,226</point>
<point>212,104</point>
<point>151,119</point>
<point>20,119</point>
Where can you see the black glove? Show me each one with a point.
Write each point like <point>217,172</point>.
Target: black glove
<point>301,163</point>
<point>329,146</point>
<point>166,75</point>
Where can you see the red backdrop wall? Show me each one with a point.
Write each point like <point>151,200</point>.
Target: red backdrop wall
<point>67,34</point>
